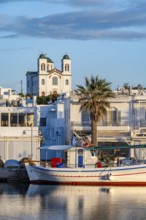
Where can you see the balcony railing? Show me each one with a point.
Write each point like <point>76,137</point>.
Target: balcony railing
<point>88,124</point>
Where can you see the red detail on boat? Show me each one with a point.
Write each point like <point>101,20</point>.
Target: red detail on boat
<point>99,164</point>
<point>54,161</point>
<point>102,183</point>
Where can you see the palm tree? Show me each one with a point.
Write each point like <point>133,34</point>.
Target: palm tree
<point>94,100</point>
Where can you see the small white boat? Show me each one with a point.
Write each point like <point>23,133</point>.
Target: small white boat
<point>83,168</point>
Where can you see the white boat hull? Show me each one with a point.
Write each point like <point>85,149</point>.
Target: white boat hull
<point>134,175</point>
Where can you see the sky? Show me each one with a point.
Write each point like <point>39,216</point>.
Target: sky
<point>102,37</point>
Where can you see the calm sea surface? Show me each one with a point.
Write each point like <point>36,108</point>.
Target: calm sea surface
<point>32,202</point>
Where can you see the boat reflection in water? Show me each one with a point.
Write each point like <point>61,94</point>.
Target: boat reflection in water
<point>14,188</point>
<point>68,202</point>
<point>71,202</point>
<point>86,202</point>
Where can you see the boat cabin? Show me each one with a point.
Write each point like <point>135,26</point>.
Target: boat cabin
<point>69,156</point>
<point>81,157</point>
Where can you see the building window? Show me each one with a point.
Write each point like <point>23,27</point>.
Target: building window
<point>67,67</point>
<point>43,82</point>
<point>42,122</point>
<point>13,119</point>
<point>119,116</point>
<point>85,118</point>
<point>54,81</point>
<point>4,119</point>
<point>6,93</point>
<point>115,117</point>
<point>66,82</point>
<point>43,67</point>
<point>61,114</point>
<point>30,119</point>
<point>22,119</point>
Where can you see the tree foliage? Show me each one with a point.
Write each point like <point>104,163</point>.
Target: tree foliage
<point>94,99</point>
<point>43,100</point>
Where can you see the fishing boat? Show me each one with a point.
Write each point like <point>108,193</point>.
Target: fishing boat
<point>81,166</point>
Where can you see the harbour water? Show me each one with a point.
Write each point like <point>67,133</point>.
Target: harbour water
<point>43,202</point>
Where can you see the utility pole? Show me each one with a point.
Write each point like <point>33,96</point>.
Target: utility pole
<point>31,141</point>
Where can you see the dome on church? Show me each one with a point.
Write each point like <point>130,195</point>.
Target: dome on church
<point>66,57</point>
<point>42,56</point>
<point>49,60</point>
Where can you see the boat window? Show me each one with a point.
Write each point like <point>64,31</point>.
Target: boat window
<point>92,153</point>
<point>80,152</point>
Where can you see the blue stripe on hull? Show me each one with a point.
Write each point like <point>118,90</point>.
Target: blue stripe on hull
<point>84,170</point>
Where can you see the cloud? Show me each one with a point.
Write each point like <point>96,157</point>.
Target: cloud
<point>15,49</point>
<point>82,3</point>
<point>125,21</point>
<point>12,36</point>
<point>61,1</point>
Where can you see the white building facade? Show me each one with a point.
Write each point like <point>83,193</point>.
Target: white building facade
<point>19,133</point>
<point>48,79</point>
<point>126,117</point>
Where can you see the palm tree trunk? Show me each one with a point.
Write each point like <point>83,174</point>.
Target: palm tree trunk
<point>94,132</point>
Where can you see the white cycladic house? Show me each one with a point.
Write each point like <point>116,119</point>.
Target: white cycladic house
<point>8,97</point>
<point>19,133</point>
<point>52,127</point>
<point>48,79</point>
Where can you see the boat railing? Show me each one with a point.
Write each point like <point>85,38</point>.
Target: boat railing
<point>32,162</point>
<point>105,166</point>
<point>65,165</point>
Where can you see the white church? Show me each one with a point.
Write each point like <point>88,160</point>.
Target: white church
<point>48,79</point>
